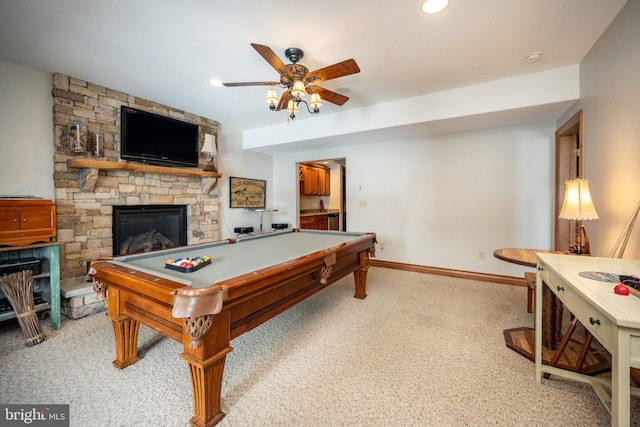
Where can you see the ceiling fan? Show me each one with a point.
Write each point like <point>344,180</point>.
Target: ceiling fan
<point>299,81</point>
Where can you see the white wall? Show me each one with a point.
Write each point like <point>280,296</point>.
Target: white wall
<point>26,132</point>
<point>440,201</point>
<point>610,98</point>
<point>234,161</point>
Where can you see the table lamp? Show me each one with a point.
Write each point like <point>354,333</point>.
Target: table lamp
<point>209,147</point>
<point>578,206</point>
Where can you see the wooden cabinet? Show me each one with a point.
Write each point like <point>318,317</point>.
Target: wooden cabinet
<point>314,222</point>
<point>321,222</point>
<point>307,223</point>
<point>324,182</point>
<point>26,221</point>
<point>315,180</point>
<point>309,181</point>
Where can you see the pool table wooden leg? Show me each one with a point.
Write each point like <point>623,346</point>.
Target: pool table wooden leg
<point>206,382</point>
<point>360,275</point>
<point>125,332</point>
<point>206,366</point>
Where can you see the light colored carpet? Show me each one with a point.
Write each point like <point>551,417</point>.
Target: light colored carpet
<point>420,350</point>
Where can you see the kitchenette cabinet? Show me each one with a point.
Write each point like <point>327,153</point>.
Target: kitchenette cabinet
<point>315,180</point>
<point>315,222</point>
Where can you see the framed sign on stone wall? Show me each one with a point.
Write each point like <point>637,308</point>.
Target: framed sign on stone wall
<point>247,193</point>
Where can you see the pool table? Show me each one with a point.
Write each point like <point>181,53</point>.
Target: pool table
<point>248,281</point>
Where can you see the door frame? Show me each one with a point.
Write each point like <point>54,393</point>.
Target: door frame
<point>569,165</point>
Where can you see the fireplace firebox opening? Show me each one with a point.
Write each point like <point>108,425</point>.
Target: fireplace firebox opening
<point>147,228</point>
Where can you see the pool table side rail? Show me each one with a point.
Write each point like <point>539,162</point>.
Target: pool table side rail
<point>242,282</point>
<point>139,296</point>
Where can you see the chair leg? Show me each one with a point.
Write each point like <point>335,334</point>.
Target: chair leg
<point>530,278</point>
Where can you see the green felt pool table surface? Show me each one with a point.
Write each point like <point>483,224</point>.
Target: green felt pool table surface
<point>229,260</point>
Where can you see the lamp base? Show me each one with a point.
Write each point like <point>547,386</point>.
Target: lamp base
<point>581,248</point>
<point>211,166</point>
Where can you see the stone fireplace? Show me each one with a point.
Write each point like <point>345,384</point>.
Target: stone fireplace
<point>85,216</point>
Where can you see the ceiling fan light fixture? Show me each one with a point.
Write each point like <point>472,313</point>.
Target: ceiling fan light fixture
<point>292,108</point>
<point>298,91</point>
<point>434,6</point>
<point>272,98</point>
<point>315,102</point>
<point>295,79</point>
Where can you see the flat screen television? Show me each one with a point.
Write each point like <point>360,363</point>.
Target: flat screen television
<point>157,140</point>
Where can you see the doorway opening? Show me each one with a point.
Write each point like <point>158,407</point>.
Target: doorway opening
<point>322,194</point>
<point>569,165</point>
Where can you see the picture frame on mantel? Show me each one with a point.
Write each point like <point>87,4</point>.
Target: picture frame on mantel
<point>247,193</point>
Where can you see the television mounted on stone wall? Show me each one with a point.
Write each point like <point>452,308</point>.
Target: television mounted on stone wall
<point>157,140</point>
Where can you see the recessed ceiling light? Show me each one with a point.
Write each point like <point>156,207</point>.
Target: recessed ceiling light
<point>215,82</point>
<point>533,56</point>
<point>434,6</point>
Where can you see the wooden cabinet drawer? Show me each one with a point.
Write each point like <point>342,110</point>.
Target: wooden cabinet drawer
<point>307,223</point>
<point>314,222</point>
<point>322,222</point>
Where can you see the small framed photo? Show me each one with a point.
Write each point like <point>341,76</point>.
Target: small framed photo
<point>247,193</point>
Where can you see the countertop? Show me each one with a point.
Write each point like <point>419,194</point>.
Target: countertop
<point>315,212</point>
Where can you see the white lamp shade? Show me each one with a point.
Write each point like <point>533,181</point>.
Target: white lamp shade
<point>298,90</point>
<point>577,201</point>
<point>315,102</point>
<point>209,145</point>
<point>292,107</point>
<point>272,97</point>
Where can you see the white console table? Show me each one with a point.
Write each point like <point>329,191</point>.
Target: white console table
<point>614,320</point>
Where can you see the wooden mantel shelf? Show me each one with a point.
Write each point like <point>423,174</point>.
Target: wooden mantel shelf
<point>96,165</point>
<point>138,167</point>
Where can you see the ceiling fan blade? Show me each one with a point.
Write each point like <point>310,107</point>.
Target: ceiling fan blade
<point>272,59</point>
<point>334,71</point>
<point>250,84</point>
<point>328,95</point>
<point>284,100</point>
